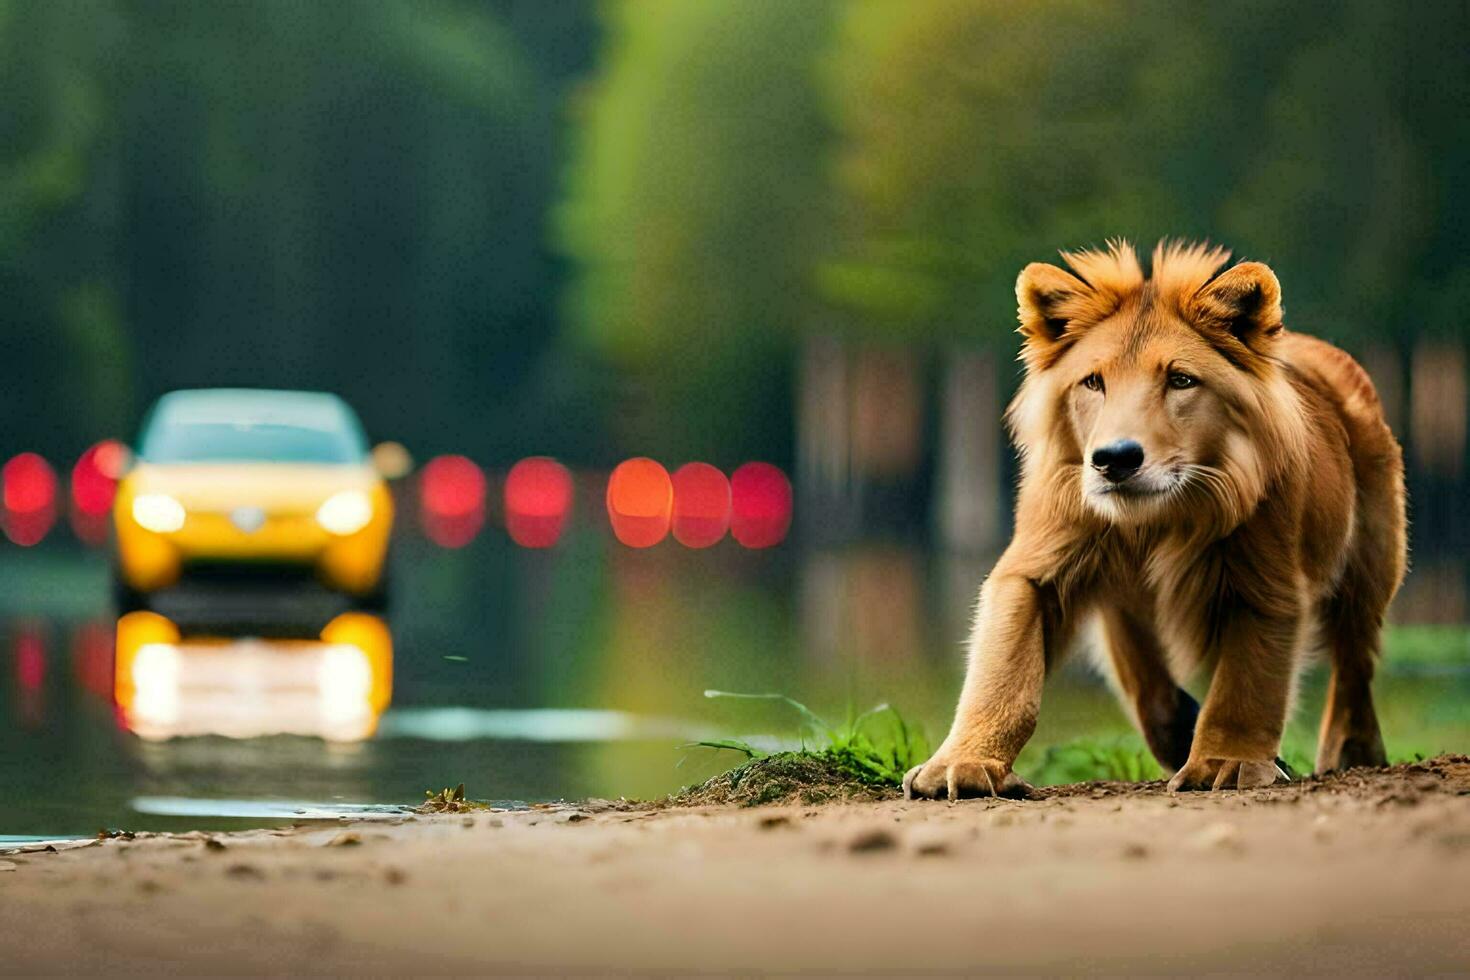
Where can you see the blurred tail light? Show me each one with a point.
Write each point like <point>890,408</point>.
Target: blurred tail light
<point>701,505</point>
<point>538,501</point>
<point>28,493</point>
<point>640,501</point>
<point>760,498</point>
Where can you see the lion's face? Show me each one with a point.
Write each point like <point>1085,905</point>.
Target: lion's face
<point>1157,391</point>
<point>1148,406</point>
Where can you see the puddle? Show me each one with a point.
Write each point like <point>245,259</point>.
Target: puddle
<point>183,806</point>
<point>456,724</point>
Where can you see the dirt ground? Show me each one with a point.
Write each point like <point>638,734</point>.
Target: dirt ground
<point>1364,873</point>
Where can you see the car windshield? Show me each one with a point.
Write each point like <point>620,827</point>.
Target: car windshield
<point>287,428</point>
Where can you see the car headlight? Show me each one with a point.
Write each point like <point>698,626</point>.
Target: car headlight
<point>158,512</point>
<point>345,513</point>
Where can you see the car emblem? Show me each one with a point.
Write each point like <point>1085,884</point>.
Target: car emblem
<point>247,519</point>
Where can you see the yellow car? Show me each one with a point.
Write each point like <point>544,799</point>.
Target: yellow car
<point>239,479</point>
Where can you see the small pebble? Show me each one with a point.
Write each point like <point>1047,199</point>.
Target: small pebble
<point>1135,851</point>
<point>931,845</point>
<point>873,839</point>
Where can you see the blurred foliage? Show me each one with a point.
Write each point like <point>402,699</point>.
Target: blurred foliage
<point>1120,758</point>
<point>1425,645</point>
<point>503,226</point>
<point>695,201</point>
<point>336,194</point>
<point>747,171</point>
<point>977,136</point>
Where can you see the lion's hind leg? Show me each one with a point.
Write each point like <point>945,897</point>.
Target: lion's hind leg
<point>1352,629</point>
<point>1352,620</point>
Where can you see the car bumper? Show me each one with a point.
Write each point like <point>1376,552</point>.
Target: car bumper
<point>149,561</point>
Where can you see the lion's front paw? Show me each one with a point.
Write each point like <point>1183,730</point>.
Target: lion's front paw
<point>1225,774</point>
<point>947,776</point>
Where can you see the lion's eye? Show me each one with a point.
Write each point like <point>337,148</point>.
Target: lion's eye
<point>1093,382</point>
<point>1179,380</point>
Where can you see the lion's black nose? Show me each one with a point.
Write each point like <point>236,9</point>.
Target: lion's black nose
<point>1118,460</point>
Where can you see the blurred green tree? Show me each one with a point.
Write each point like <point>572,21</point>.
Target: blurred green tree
<point>341,195</point>
<point>65,363</point>
<point>1354,172</point>
<point>977,137</point>
<point>695,209</point>
<point>338,194</point>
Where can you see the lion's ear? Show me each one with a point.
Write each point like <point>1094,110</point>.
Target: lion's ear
<point>1244,301</point>
<point>1046,298</point>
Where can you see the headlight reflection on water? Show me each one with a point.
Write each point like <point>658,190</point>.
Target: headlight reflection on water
<point>334,688</point>
<point>156,684</point>
<point>344,685</point>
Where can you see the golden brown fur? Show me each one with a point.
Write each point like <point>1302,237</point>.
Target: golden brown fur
<point>1222,494</point>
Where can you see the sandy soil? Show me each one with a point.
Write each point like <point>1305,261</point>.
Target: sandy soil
<point>1368,873</point>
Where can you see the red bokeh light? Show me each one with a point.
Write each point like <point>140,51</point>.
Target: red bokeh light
<point>701,505</point>
<point>538,501</point>
<point>94,477</point>
<point>93,487</point>
<point>452,500</point>
<point>451,486</point>
<point>29,498</point>
<point>640,502</point>
<point>760,499</point>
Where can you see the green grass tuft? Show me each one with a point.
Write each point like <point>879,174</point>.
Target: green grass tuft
<point>875,747</point>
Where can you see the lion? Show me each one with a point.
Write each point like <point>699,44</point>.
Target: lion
<point>1222,495</point>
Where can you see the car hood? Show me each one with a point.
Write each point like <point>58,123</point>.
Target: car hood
<point>273,487</point>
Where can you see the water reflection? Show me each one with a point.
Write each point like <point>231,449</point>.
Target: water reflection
<point>569,672</point>
<point>184,806</point>
<point>335,686</point>
<point>28,655</point>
